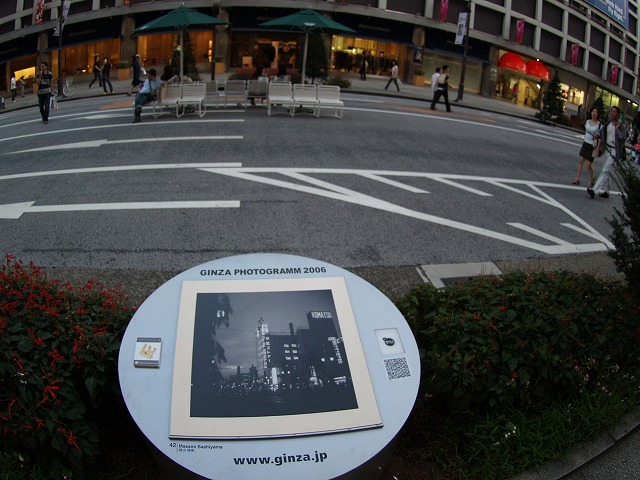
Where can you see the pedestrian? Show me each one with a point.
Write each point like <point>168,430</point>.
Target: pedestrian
<point>590,146</point>
<point>514,93</point>
<point>106,76</point>
<point>613,136</point>
<point>13,87</point>
<point>443,89</point>
<point>44,80</point>
<point>147,93</point>
<point>434,82</point>
<point>22,84</point>
<point>363,67</point>
<point>97,71</point>
<point>136,71</point>
<point>394,75</point>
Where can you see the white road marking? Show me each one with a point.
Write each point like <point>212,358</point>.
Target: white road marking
<point>314,186</point>
<point>100,143</point>
<point>459,120</point>
<point>16,210</point>
<point>68,131</point>
<point>121,168</point>
<point>393,183</point>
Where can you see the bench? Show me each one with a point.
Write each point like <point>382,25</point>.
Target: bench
<point>193,95</point>
<point>280,94</point>
<point>329,96</point>
<point>306,96</point>
<point>235,89</point>
<point>168,96</point>
<point>257,89</point>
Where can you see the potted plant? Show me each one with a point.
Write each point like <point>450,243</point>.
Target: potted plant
<point>123,70</point>
<point>219,61</point>
<point>418,76</point>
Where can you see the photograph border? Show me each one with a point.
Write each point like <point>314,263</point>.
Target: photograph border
<point>182,425</point>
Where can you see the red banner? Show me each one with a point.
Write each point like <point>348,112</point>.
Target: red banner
<point>575,52</point>
<point>38,11</point>
<point>614,74</point>
<point>444,10</point>
<point>519,31</point>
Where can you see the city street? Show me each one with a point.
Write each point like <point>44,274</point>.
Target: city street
<point>391,184</point>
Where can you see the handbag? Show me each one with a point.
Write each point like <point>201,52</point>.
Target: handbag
<point>143,71</point>
<point>54,103</point>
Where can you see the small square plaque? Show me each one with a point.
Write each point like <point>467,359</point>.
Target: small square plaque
<point>147,352</point>
<point>389,341</point>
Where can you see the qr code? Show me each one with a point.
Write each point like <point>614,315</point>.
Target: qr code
<point>397,368</point>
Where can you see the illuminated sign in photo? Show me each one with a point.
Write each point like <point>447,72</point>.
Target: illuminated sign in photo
<point>260,358</point>
<point>618,10</point>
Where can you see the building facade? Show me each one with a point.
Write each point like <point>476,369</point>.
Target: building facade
<point>514,45</point>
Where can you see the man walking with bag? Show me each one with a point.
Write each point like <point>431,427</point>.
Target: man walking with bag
<point>443,89</point>
<point>614,136</point>
<point>44,80</point>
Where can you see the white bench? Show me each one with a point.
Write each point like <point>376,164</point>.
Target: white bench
<point>329,96</point>
<point>257,89</point>
<point>280,94</point>
<point>235,89</point>
<point>194,95</point>
<point>168,96</point>
<point>306,96</point>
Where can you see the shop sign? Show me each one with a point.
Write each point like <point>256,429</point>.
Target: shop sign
<point>38,11</point>
<point>462,25</point>
<point>519,31</point>
<point>20,47</point>
<point>377,28</point>
<point>615,9</point>
<point>575,51</point>
<point>444,10</point>
<point>614,74</point>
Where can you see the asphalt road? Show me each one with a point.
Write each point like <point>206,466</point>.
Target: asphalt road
<point>392,184</point>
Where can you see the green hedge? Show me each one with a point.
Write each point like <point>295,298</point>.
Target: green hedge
<point>521,339</point>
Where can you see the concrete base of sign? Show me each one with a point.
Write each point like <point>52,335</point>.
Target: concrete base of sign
<point>347,435</point>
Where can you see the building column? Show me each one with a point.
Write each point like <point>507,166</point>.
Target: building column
<point>42,45</point>
<point>128,44</point>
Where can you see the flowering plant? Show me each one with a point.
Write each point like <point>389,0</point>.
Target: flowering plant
<point>58,362</point>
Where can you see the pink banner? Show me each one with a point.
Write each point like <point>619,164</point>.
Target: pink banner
<point>519,31</point>
<point>39,10</point>
<point>614,74</point>
<point>575,51</point>
<point>444,10</point>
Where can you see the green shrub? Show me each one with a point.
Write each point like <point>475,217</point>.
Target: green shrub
<point>626,226</point>
<point>58,363</point>
<point>521,339</point>
<point>339,81</point>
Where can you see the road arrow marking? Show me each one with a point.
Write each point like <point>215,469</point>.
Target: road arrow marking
<point>16,210</point>
<point>99,143</point>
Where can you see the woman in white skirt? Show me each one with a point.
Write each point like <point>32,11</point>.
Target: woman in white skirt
<point>590,146</point>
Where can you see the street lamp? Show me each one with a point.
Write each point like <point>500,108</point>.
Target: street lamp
<point>464,54</point>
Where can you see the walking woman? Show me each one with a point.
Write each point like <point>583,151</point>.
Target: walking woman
<point>97,71</point>
<point>590,146</point>
<point>136,70</point>
<point>394,76</point>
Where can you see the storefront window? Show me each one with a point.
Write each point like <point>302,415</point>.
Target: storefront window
<point>347,53</point>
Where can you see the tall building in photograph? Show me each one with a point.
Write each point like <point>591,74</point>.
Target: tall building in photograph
<point>514,46</point>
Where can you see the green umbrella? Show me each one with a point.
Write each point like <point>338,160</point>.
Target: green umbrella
<point>178,19</point>
<point>306,21</point>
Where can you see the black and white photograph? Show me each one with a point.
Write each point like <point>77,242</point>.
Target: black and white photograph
<point>268,353</point>
<point>270,349</point>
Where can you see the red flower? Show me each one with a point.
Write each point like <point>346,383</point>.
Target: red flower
<point>502,308</point>
<point>38,342</point>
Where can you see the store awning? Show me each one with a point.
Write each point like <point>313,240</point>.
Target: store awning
<point>536,68</point>
<point>513,61</point>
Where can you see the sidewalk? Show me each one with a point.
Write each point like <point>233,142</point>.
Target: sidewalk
<point>613,455</point>
<point>374,85</point>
